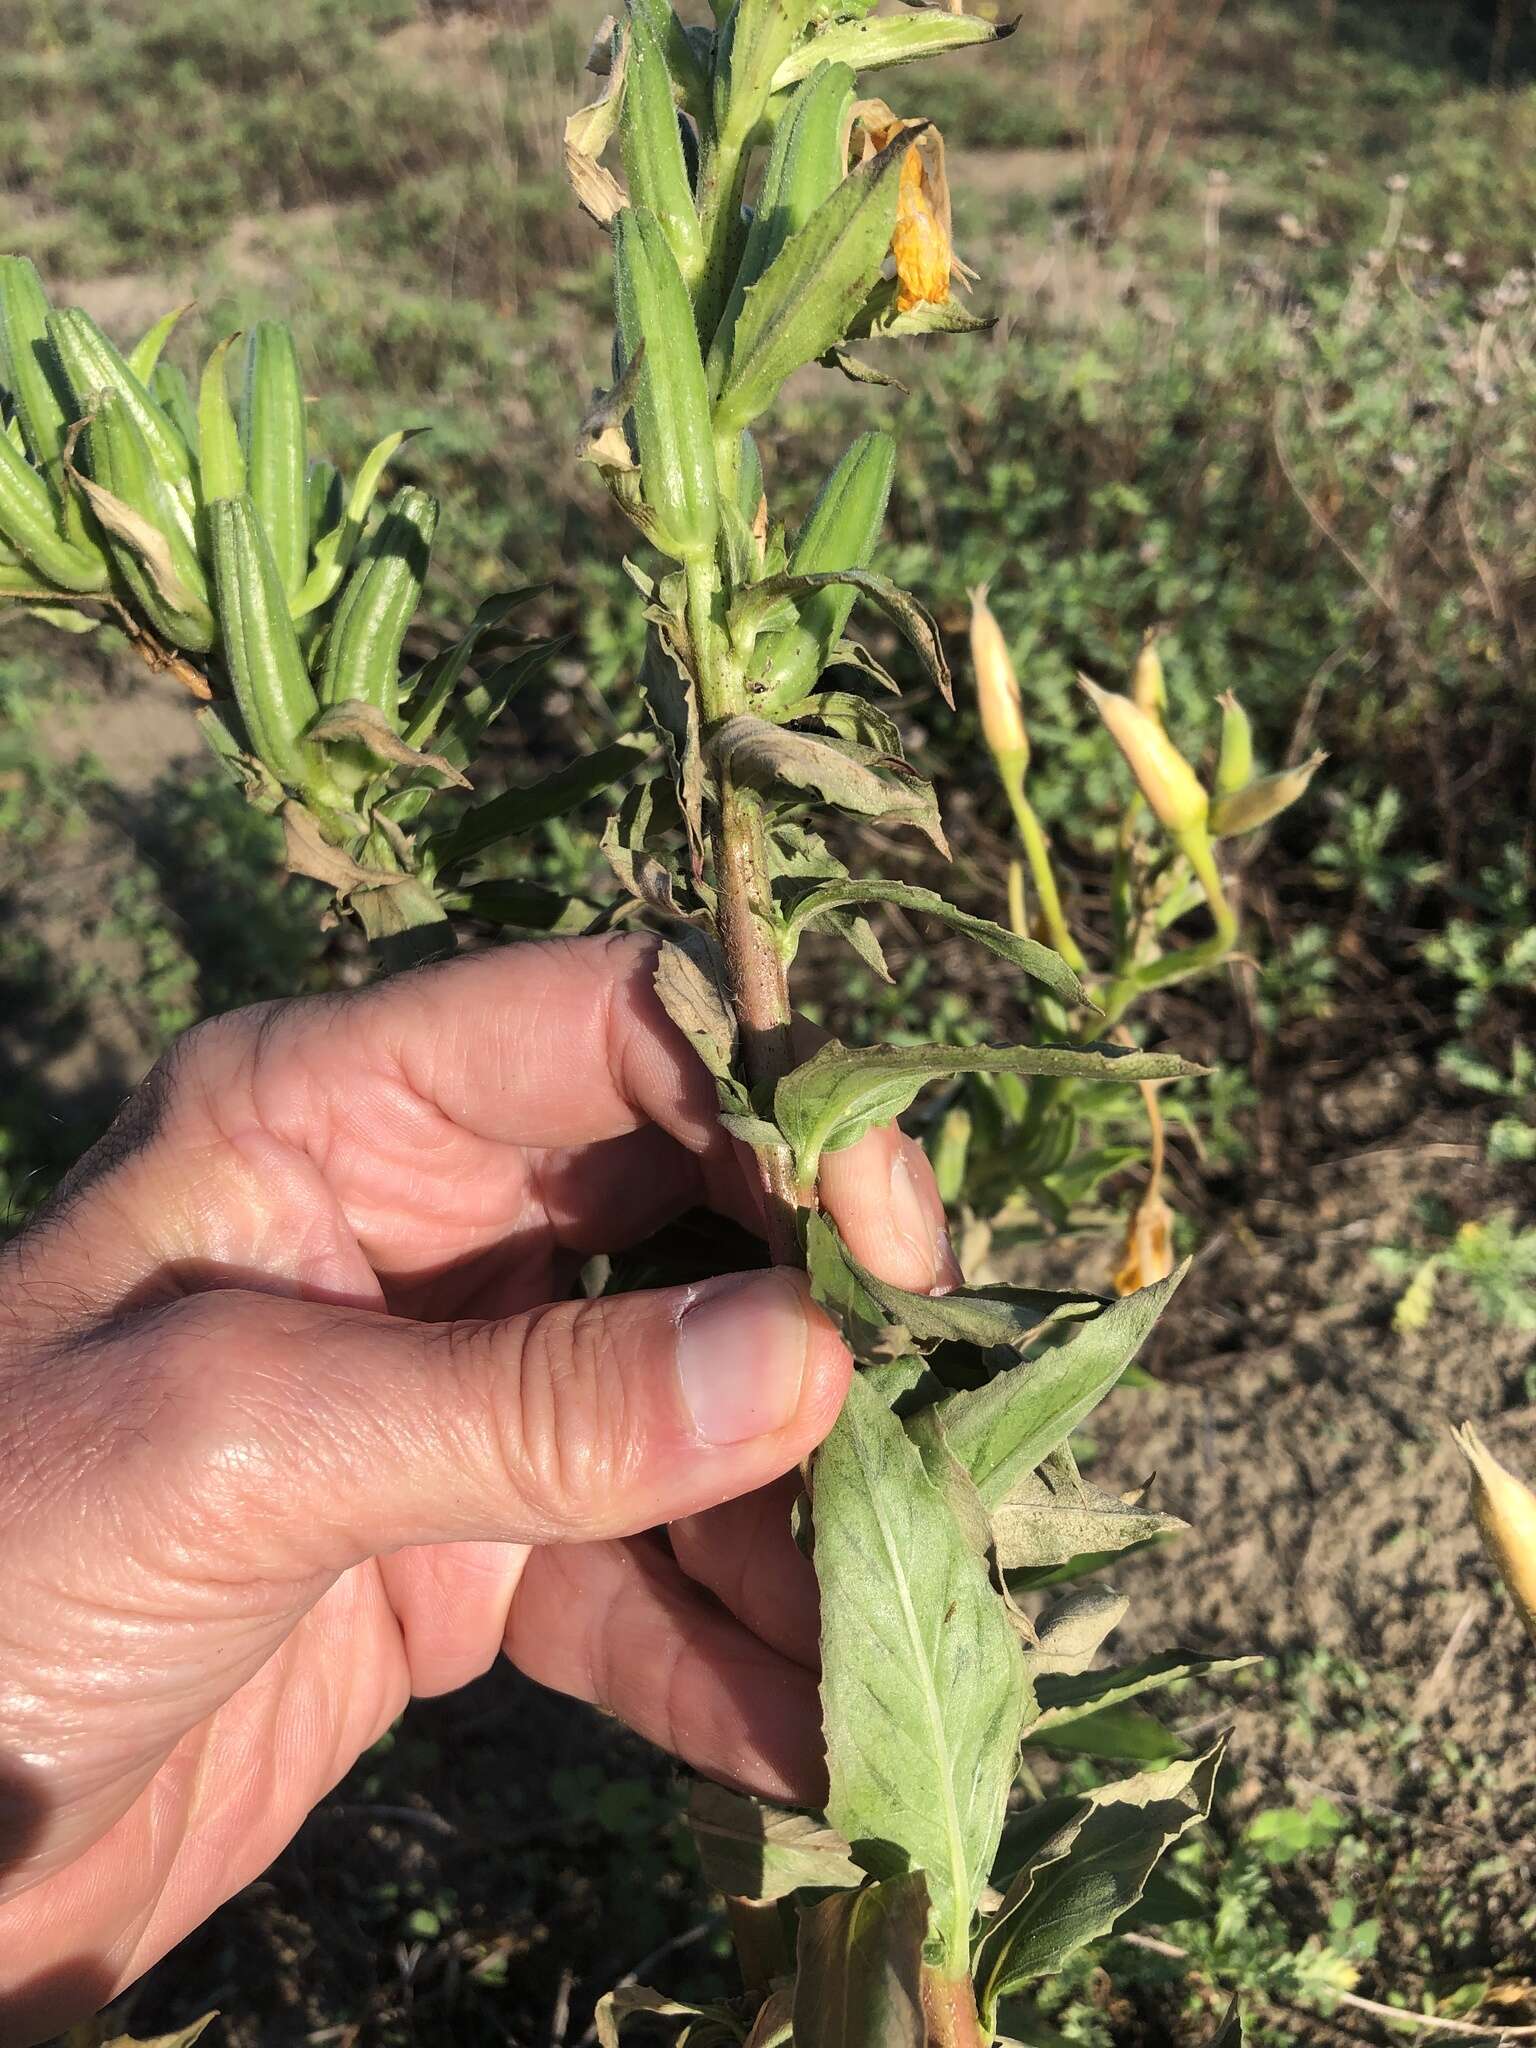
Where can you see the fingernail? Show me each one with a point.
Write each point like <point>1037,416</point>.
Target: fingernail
<point>741,1356</point>
<point>917,1215</point>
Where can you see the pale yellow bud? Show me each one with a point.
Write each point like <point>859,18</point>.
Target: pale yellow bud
<point>1148,1254</point>
<point>997,687</point>
<point>1162,774</point>
<point>1505,1508</point>
<point>1149,691</point>
<point>1246,809</point>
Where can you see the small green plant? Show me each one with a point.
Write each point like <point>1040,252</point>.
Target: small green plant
<point>1492,1257</point>
<point>939,1883</point>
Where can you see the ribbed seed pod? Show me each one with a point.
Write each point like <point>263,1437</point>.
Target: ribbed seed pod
<point>261,650</point>
<point>671,406</point>
<point>29,520</point>
<point>362,656</point>
<point>652,145</point>
<point>151,550</point>
<point>30,369</point>
<point>275,436</point>
<point>93,365</point>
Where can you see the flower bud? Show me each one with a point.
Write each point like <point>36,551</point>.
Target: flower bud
<point>1148,689</point>
<point>997,687</point>
<point>1262,799</point>
<point>1164,777</point>
<point>1234,767</point>
<point>1505,1508</point>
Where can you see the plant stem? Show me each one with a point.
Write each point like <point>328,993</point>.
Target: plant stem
<point>949,2007</point>
<point>758,978</point>
<point>1037,853</point>
<point>1172,967</point>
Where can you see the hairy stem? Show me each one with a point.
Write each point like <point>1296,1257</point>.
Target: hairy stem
<point>1041,873</point>
<point>949,2008</point>
<point>758,979</point>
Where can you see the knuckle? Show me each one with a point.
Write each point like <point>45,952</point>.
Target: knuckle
<point>559,1416</point>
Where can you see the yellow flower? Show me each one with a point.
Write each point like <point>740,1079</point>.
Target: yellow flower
<point>1148,1253</point>
<point>922,245</point>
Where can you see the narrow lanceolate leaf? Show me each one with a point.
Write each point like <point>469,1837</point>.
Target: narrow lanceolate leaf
<point>1042,1523</point>
<point>335,548</point>
<point>922,1676</point>
<point>880,41</point>
<point>751,1850</point>
<point>903,610</point>
<point>1067,1696</point>
<point>1002,1431</point>
<point>1078,1883</point>
<point>221,458</point>
<point>275,434</point>
<point>833,1099</point>
<point>690,980</point>
<point>519,810</point>
<point>809,903</point>
<point>144,357</point>
<point>854,778</point>
<point>858,1968</point>
<point>812,291</point>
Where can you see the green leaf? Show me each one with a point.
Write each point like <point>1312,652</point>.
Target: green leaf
<point>833,1099</point>
<point>1002,1431</point>
<point>813,289</point>
<point>690,981</point>
<point>1122,1735</point>
<point>1045,1524</point>
<point>922,1676</point>
<point>881,41</point>
<point>523,906</point>
<point>519,810</point>
<point>854,778</point>
<point>807,904</point>
<point>751,1850</point>
<point>1066,1696</point>
<point>1079,1882</point>
<point>858,1974</point>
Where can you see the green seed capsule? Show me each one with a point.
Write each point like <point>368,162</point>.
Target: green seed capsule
<point>261,650</point>
<point>29,520</point>
<point>1234,767</point>
<point>672,421</point>
<point>362,656</point>
<point>170,391</point>
<point>805,166</point>
<point>652,146</point>
<point>145,533</point>
<point>840,533</point>
<point>275,435</point>
<point>31,371</point>
<point>218,439</point>
<point>93,365</point>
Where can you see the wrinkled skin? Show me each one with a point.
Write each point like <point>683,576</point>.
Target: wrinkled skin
<point>289,1433</point>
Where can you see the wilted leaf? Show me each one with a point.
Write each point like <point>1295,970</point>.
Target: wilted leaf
<point>307,852</point>
<point>751,1850</point>
<point>1064,1697</point>
<point>147,542</point>
<point>1078,1883</point>
<point>854,778</point>
<point>182,2038</point>
<point>1002,1431</point>
<point>773,2027</point>
<point>900,607</point>
<point>859,1968</point>
<point>922,1677</point>
<point>810,902</point>
<point>690,982</point>
<point>852,717</point>
<point>1230,2033</point>
<point>631,1999</point>
<point>1071,1632</point>
<point>366,725</point>
<point>1041,1524</point>
<point>833,1099</point>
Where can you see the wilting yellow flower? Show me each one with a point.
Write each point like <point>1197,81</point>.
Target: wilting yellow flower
<point>1148,689</point>
<point>1162,774</point>
<point>922,245</point>
<point>1148,1253</point>
<point>1246,809</point>
<point>1505,1508</point>
<point>997,687</point>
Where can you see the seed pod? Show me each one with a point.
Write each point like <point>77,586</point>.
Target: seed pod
<point>1505,1508</point>
<point>840,533</point>
<point>261,650</point>
<point>273,430</point>
<point>749,484</point>
<point>1234,765</point>
<point>1164,777</point>
<point>168,388</point>
<point>362,656</point>
<point>30,369</point>
<point>652,147</point>
<point>1149,691</point>
<point>805,166</point>
<point>222,459</point>
<point>672,420</point>
<point>93,365</point>
<point>1262,799</point>
<point>146,537</point>
<point>29,519</point>
<point>997,687</point>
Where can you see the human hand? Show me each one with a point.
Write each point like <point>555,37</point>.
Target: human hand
<point>289,1432</point>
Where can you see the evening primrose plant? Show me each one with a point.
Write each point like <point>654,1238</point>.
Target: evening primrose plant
<point>764,217</point>
<point>1001,1137</point>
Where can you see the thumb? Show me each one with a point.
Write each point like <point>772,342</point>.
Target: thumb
<point>308,1437</point>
